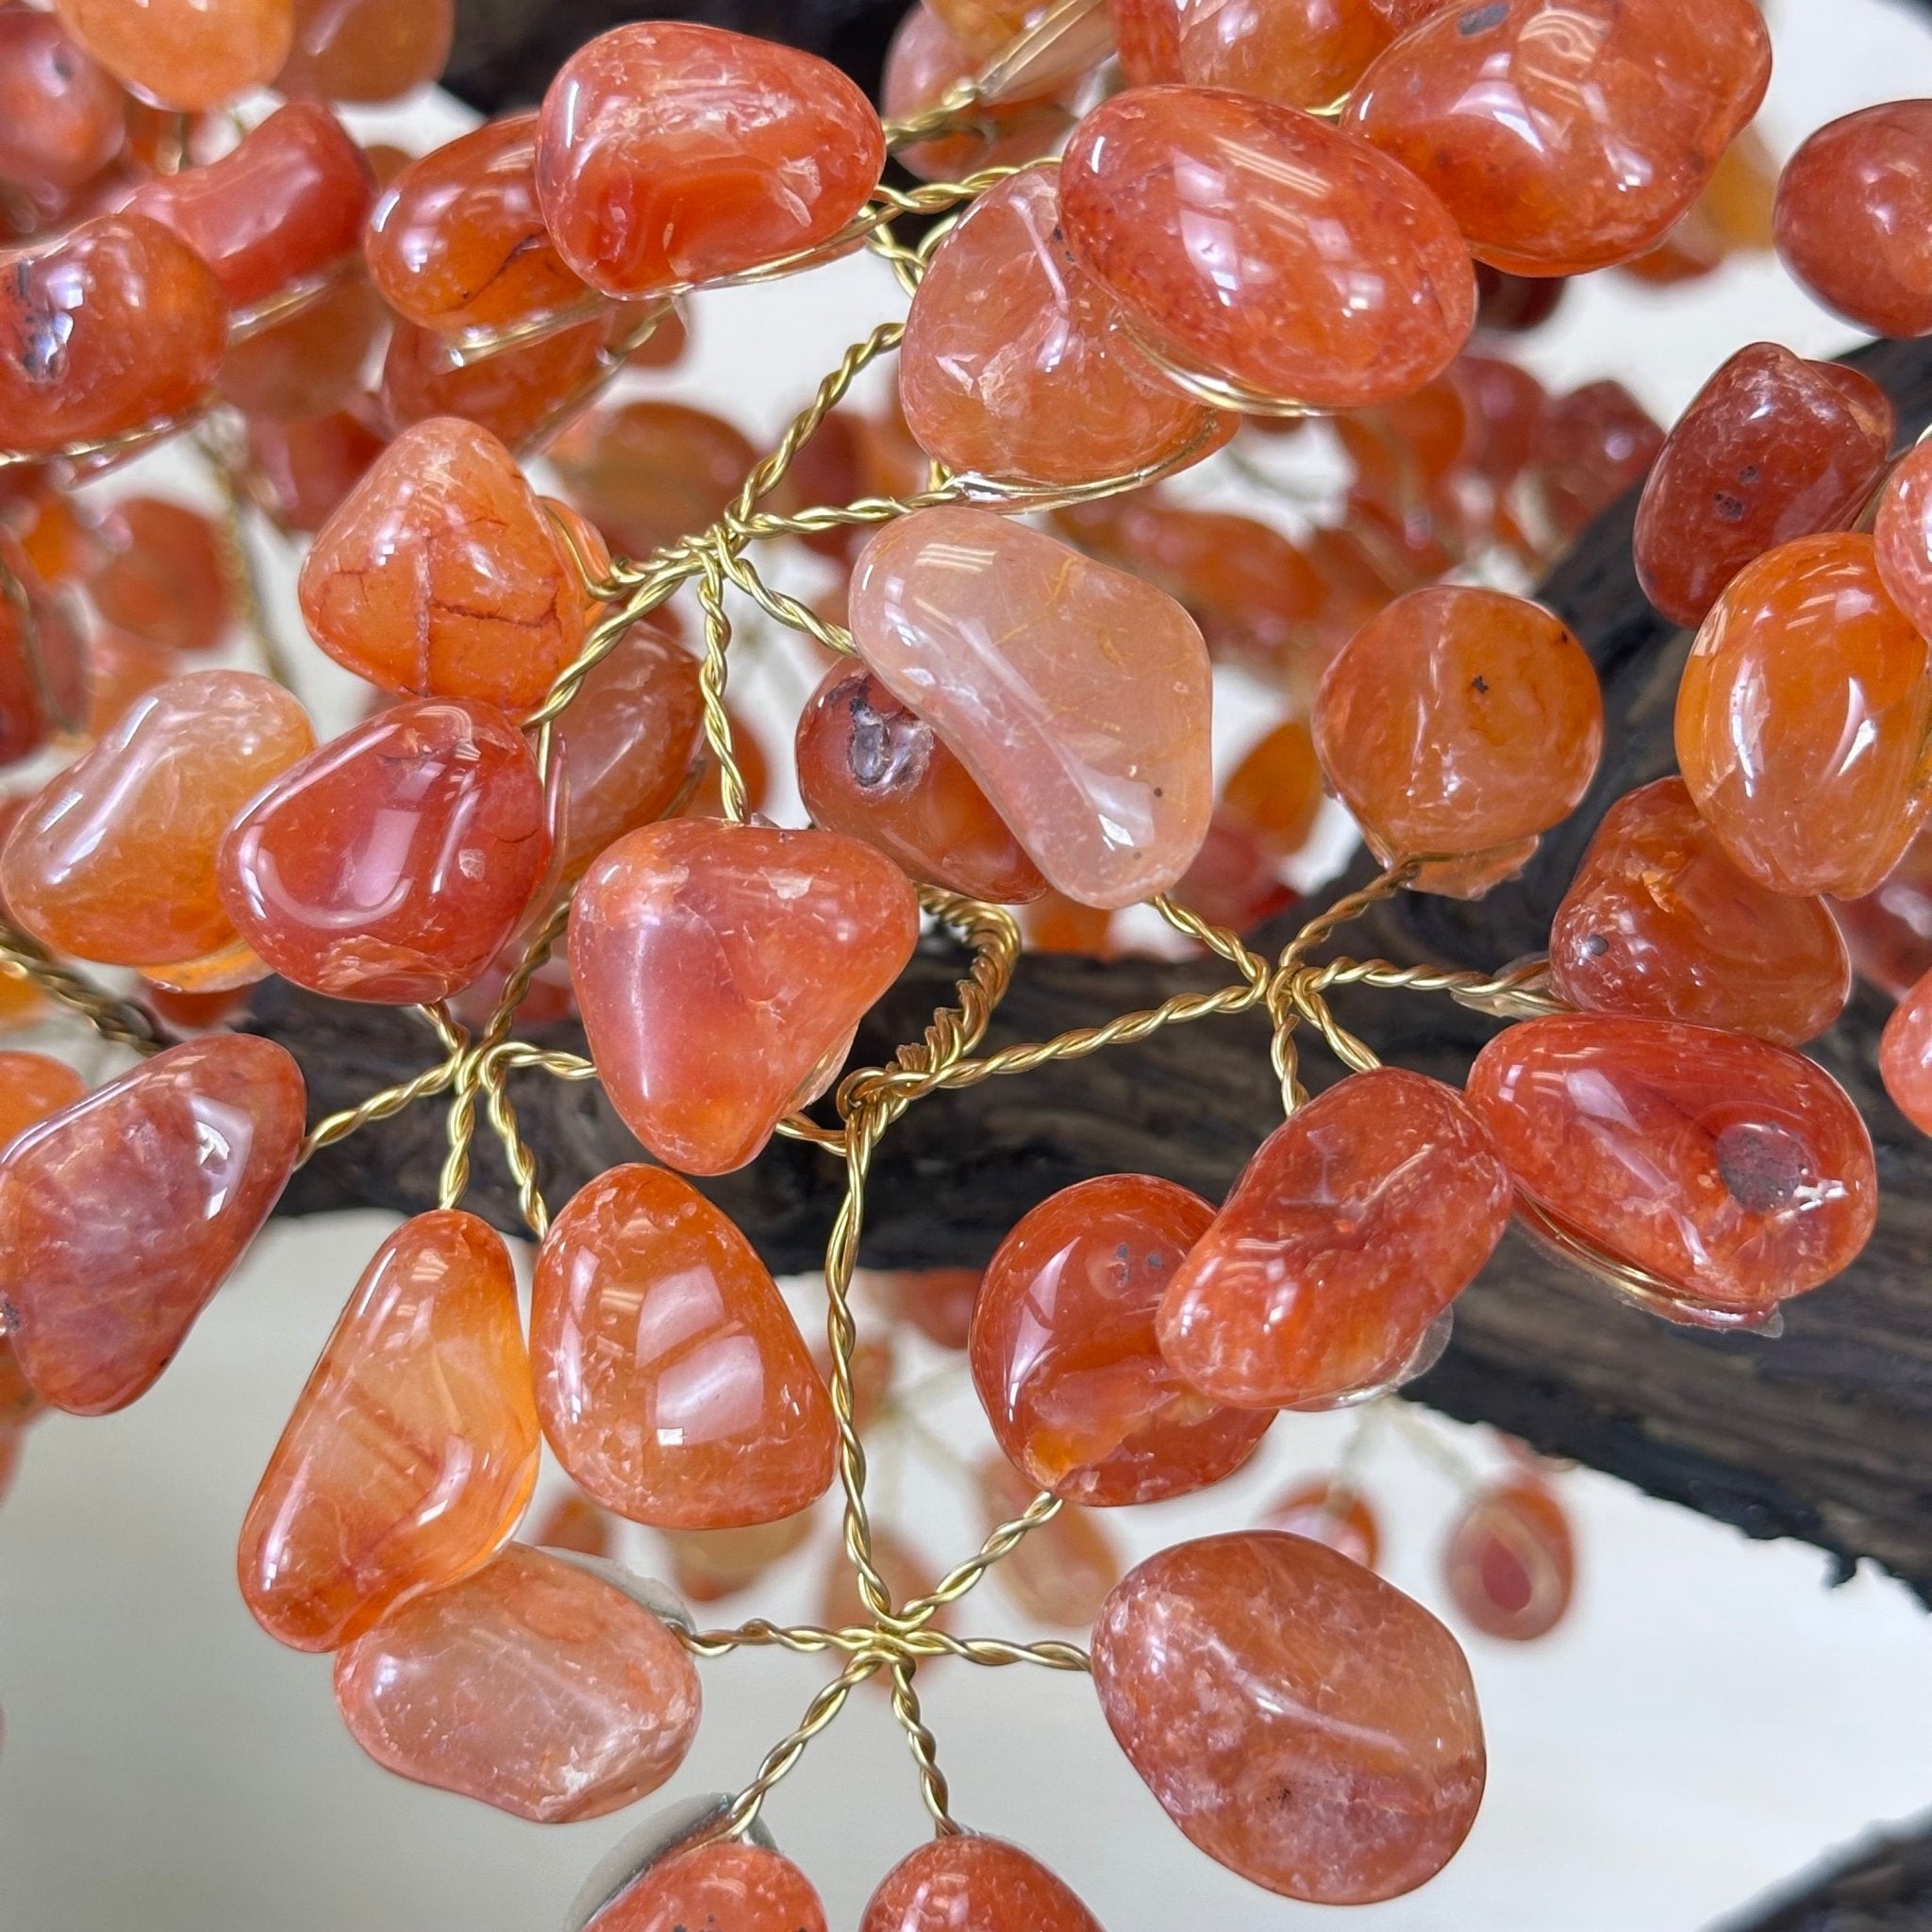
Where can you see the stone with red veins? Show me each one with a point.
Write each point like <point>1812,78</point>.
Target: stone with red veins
<point>967,1883</point>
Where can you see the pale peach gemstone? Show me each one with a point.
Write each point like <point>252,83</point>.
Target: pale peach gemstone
<point>185,54</point>
<point>32,1086</point>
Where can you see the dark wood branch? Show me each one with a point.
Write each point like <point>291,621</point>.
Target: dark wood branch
<point>1882,1883</point>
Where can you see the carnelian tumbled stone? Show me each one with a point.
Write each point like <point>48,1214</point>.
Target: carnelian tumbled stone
<point>1591,446</point>
<point>1308,53</point>
<point>32,1086</point>
<point>412,1450</point>
<point>1804,638</point>
<point>1013,365</point>
<point>312,359</point>
<point>122,1214</point>
<point>1734,1171</point>
<point>967,1883</point>
<point>721,970</point>
<point>671,1380</point>
<point>1327,1510</point>
<point>1905,1055</point>
<point>724,1883</point>
<point>164,579</point>
<point>394,863</point>
<point>652,470</point>
<point>1566,134</point>
<point>519,393</point>
<point>1304,1722</point>
<point>1510,1563</point>
<point>1064,1355</point>
<point>1461,720</point>
<point>1902,534</point>
<point>925,60</point>
<point>669,155</point>
<point>62,117</point>
<point>1355,1225</point>
<point>1078,696</point>
<point>1335,277</point>
<point>1276,792</point>
<point>1658,920</point>
<point>185,54</point>
<point>365,50</point>
<point>307,467</point>
<point>533,1685</point>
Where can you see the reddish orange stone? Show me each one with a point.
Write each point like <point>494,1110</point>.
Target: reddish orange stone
<point>308,468</point>
<point>972,1883</point>
<point>310,362</point>
<point>1304,1722</point>
<point>1504,405</point>
<point>925,60</point>
<point>1308,52</point>
<point>673,1382</point>
<point>1064,1355</point>
<point>1147,38</point>
<point>938,1302</point>
<point>62,117</point>
<point>185,54</point>
<point>1055,923</point>
<point>1058,1574</point>
<point>26,719</point>
<point>1806,638</point>
<point>365,50</point>
<point>1400,448</point>
<point>1591,445</point>
<point>651,472</point>
<point>1276,790</point>
<point>122,1214</point>
<point>1510,1563</point>
<point>412,1450</point>
<point>767,945</point>
<point>519,394</point>
<point>1902,534</point>
<point>32,1086</point>
<point>1235,881</point>
<point>393,864</point>
<point>1736,1172</point>
<point>725,1884</point>
<point>1349,1232</point>
<point>1905,1056</point>
<point>1328,1513</point>
<point>574,1523</point>
<point>165,577</point>
<point>185,1013</point>
<point>531,1684</point>
<point>708,1565</point>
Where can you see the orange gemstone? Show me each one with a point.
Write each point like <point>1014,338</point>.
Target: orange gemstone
<point>1147,38</point>
<point>313,362</point>
<point>1235,881</point>
<point>308,468</point>
<point>1504,405</point>
<point>673,1382</point>
<point>938,1302</point>
<point>62,117</point>
<point>925,60</point>
<point>1304,1722</point>
<point>1308,53</point>
<point>1328,1513</point>
<point>366,50</point>
<point>1591,445</point>
<point>1058,1574</point>
<point>184,1013</point>
<point>726,1883</point>
<point>651,472</point>
<point>185,54</point>
<point>121,1215</point>
<point>32,1086</point>
<point>1400,448</point>
<point>1905,1055</point>
<point>967,1883</point>
<point>165,577</point>
<point>1510,1565</point>
<point>1276,790</point>
<point>708,1565</point>
<point>574,1523</point>
<point>1058,924</point>
<point>767,945</point>
<point>412,1450</point>
<point>1902,534</point>
<point>519,394</point>
<point>531,1684</point>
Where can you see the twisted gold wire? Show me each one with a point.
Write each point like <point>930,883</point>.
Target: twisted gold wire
<point>121,1021</point>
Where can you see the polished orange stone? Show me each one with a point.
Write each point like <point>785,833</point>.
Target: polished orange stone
<point>1058,1574</point>
<point>1734,1171</point>
<point>1398,449</point>
<point>32,1086</point>
<point>105,329</point>
<point>63,116</point>
<point>1147,38</point>
<point>1511,1562</point>
<point>574,1523</point>
<point>925,59</point>
<point>1276,790</point>
<point>1563,135</point>
<point>186,1013</point>
<point>442,574</point>
<point>313,362</point>
<point>726,1883</point>
<point>1658,920</point>
<point>520,394</point>
<point>1064,1357</point>
<point>1013,365</point>
<point>1461,720</point>
<point>1235,881</point>
<point>1504,405</point>
<point>673,1382</point>
<point>1806,638</point>
<point>1328,1511</point>
<point>1351,1229</point>
<point>1076,696</point>
<point>1905,1055</point>
<point>1308,52</point>
<point>122,1214</point>
<point>115,859</point>
<point>1055,923</point>
<point>768,946</point>
<point>967,1883</point>
<point>708,1565</point>
<point>650,472</point>
<point>1592,444</point>
<point>1771,448</point>
<point>165,577</point>
<point>1335,277</point>
<point>58,534</point>
<point>986,25</point>
<point>1902,534</point>
<point>307,467</point>
<point>671,155</point>
<point>412,1450</point>
<point>938,1302</point>
<point>185,54</point>
<point>393,864</point>
<point>531,1684</point>
<point>365,50</point>
<point>27,717</point>
<point>1304,1722</point>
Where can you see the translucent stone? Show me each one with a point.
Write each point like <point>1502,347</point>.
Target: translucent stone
<point>709,1565</point>
<point>1563,135</point>
<point>1905,1055</point>
<point>1076,696</point>
<point>313,362</point>
<point>1511,1562</point>
<point>986,25</point>
<point>26,720</point>
<point>412,1450</point>
<point>669,155</point>
<point>1064,1357</point>
<point>165,577</point>
<point>1804,639</point>
<point>531,1684</point>
<point>308,468</point>
<point>1591,445</point>
<point>1147,38</point>
<point>923,61</point>
<point>393,864</point>
<point>725,1882</point>
<point>122,1214</point>
<point>671,1380</point>
<point>185,54</point>
<point>519,394</point>
<point>651,471</point>
<point>1734,1171</point>
<point>1235,881</point>
<point>1506,405</point>
<point>1335,279</point>
<point>1327,1510</point>
<point>938,1302</point>
<point>1304,1722</point>
<point>1013,365</point>
<point>576,1523</point>
<point>1355,1225</point>
<point>1658,920</point>
<point>62,117</point>
<point>967,1883</point>
<point>767,945</point>
<point>1058,1574</point>
<point>366,51</point>
<point>1399,448</point>
<point>1902,534</point>
<point>1276,790</point>
<point>115,859</point>
<point>1308,52</point>
<point>32,1086</point>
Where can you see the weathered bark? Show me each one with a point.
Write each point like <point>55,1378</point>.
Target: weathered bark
<point>1882,1883</point>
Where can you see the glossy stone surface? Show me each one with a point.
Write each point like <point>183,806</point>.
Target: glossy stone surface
<point>1277,302</point>
<point>1734,1171</point>
<point>1304,1722</point>
<point>163,577</point>
<point>1905,1056</point>
<point>185,54</point>
<point>1459,721</point>
<point>104,329</point>
<point>1064,1357</point>
<point>121,1215</point>
<point>925,59</point>
<point>1658,920</point>
<point>873,769</point>
<point>393,864</point>
<point>62,117</point>
<point>532,1685</point>
<point>1903,536</point>
<point>1014,366</point>
<point>1147,38</point>
<point>652,470</point>
<point>307,467</point>
<point>673,1382</point>
<point>1802,719</point>
<point>1276,790</point>
<point>1308,52</point>
<point>1591,445</point>
<point>412,1450</point>
<point>726,1883</point>
<point>973,1884</point>
<point>519,394</point>
<point>938,1302</point>
<point>313,362</point>
<point>1058,1574</point>
<point>1889,930</point>
<point>669,155</point>
<point>32,1086</point>
<point>1076,696</point>
<point>442,574</point>
<point>1504,405</point>
<point>365,50</point>
<point>1771,448</point>
<point>1328,1513</point>
<point>1563,135</point>
<point>1355,1225</point>
<point>115,858</point>
<point>1510,1562</point>
<point>1235,881</point>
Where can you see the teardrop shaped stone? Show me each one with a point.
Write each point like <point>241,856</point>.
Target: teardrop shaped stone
<point>673,1382</point>
<point>121,1215</point>
<point>412,1450</point>
<point>724,1883</point>
<point>966,1882</point>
